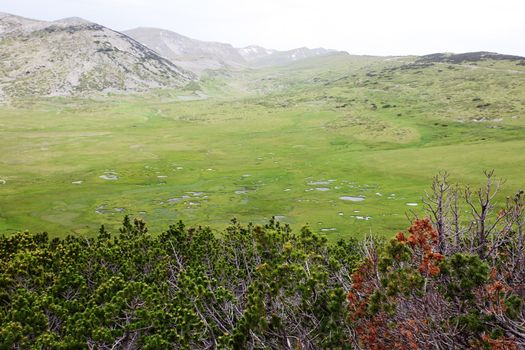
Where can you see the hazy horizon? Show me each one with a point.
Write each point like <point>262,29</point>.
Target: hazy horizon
<point>376,27</point>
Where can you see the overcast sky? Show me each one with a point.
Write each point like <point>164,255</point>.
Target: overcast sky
<point>379,27</point>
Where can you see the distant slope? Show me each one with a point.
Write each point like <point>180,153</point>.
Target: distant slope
<point>75,56</point>
<point>260,57</point>
<point>10,23</point>
<point>253,53</point>
<point>191,54</point>
<point>470,57</point>
<point>197,55</point>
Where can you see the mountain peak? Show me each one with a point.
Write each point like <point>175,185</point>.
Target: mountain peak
<point>197,55</point>
<point>10,22</point>
<point>73,21</point>
<point>194,55</point>
<point>258,56</point>
<point>69,57</point>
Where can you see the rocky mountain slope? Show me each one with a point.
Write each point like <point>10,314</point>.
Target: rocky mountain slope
<point>75,56</point>
<point>197,56</point>
<point>191,54</point>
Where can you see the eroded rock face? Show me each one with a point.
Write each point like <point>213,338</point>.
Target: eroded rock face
<point>75,56</point>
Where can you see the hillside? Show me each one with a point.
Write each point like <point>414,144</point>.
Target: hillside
<point>74,56</point>
<point>257,56</point>
<point>345,143</point>
<point>191,54</point>
<point>163,192</point>
<point>198,56</point>
<point>471,57</point>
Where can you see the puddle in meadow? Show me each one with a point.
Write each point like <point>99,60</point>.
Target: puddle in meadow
<point>195,194</point>
<point>322,189</point>
<point>177,199</point>
<point>102,210</point>
<point>109,175</point>
<point>313,183</point>
<point>352,198</point>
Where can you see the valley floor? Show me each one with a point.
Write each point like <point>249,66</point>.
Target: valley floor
<point>347,149</point>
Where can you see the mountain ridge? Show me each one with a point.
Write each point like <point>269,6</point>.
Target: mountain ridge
<point>192,54</point>
<point>74,56</point>
<point>473,56</point>
<point>198,55</point>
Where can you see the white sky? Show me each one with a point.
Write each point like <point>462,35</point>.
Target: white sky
<point>379,27</point>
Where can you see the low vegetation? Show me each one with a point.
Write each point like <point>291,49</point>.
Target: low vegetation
<point>450,282</point>
<point>281,141</point>
<point>95,126</point>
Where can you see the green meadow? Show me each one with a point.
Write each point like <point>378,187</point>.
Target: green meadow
<point>345,144</point>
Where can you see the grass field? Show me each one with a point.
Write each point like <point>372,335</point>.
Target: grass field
<point>288,141</point>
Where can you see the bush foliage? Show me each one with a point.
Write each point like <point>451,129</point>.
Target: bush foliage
<point>447,283</point>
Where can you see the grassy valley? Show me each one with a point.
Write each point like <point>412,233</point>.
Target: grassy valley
<point>346,144</point>
<point>163,192</point>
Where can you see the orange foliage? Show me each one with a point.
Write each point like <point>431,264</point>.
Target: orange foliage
<point>361,290</point>
<point>496,291</point>
<point>400,237</point>
<point>373,330</point>
<point>380,327</point>
<point>500,344</point>
<point>424,238</point>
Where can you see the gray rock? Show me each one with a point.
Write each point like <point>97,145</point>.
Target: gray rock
<point>73,56</point>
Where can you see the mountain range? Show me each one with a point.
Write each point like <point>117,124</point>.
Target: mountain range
<point>73,56</point>
<point>198,56</point>
<point>191,54</point>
